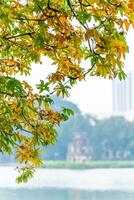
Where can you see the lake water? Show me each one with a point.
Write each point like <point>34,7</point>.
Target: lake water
<point>54,184</point>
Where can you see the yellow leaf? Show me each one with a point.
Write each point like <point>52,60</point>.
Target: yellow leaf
<point>88,34</point>
<point>94,1</point>
<point>47,107</point>
<point>131,18</point>
<point>126,24</point>
<point>2,21</point>
<point>62,19</point>
<point>96,36</point>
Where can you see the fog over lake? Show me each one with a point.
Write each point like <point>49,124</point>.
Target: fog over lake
<point>58,184</point>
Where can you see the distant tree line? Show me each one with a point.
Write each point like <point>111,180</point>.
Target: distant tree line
<point>111,138</point>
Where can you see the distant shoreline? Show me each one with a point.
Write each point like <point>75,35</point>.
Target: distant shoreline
<point>88,164</point>
<point>107,164</point>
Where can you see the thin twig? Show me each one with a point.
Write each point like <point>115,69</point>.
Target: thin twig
<point>75,15</point>
<point>19,35</point>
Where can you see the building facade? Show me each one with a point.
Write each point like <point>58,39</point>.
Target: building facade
<point>123,94</point>
<point>80,149</point>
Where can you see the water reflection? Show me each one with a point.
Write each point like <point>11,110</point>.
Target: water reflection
<point>63,194</point>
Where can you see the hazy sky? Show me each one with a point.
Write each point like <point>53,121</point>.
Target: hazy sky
<point>93,95</point>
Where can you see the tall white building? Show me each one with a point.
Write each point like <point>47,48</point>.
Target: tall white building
<point>123,94</point>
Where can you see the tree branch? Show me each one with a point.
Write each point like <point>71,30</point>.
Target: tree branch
<point>86,5</point>
<point>28,121</point>
<point>12,95</point>
<point>114,4</point>
<point>19,35</point>
<point>53,9</point>
<point>49,16</point>
<point>75,15</point>
<point>29,19</point>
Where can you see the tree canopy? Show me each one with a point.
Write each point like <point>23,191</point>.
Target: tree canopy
<point>68,32</point>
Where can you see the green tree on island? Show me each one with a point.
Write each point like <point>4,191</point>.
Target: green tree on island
<point>66,31</point>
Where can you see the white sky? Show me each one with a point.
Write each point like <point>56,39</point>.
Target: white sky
<point>93,95</point>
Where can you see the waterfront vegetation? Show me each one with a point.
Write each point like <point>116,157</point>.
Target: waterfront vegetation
<point>88,164</point>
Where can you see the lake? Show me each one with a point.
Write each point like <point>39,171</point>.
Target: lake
<point>60,184</point>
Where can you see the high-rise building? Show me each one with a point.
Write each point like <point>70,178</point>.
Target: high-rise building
<point>123,94</point>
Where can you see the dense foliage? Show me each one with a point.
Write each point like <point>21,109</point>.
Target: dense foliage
<point>67,31</point>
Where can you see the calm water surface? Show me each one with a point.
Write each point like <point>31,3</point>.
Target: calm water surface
<point>63,194</point>
<point>98,184</point>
